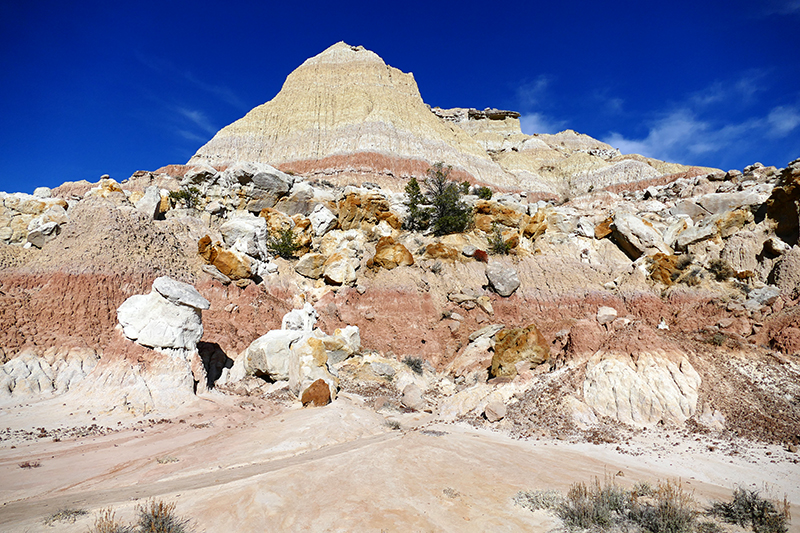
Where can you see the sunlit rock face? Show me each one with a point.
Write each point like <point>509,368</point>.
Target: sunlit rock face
<point>345,110</point>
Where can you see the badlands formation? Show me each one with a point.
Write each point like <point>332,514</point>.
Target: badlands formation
<point>645,323</point>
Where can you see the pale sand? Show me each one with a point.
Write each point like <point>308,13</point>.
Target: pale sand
<point>249,465</point>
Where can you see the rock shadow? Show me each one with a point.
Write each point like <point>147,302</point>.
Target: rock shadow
<point>214,360</point>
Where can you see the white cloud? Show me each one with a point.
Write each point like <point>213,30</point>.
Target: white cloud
<point>198,119</point>
<point>680,136</point>
<point>531,94</point>
<point>783,120</point>
<point>531,123</point>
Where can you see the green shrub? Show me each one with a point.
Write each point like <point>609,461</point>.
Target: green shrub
<point>418,216</point>
<point>484,193</point>
<point>465,187</point>
<point>440,207</point>
<point>449,214</point>
<point>283,243</point>
<point>188,196</point>
<point>748,508</point>
<point>497,245</point>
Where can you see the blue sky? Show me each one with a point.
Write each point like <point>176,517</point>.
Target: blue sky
<point>90,88</point>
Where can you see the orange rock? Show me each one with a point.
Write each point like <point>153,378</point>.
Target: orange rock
<point>318,394</point>
<point>533,226</point>
<point>276,221</point>
<point>390,254</point>
<point>497,213</point>
<point>361,211</point>
<point>227,262</point>
<point>603,229</point>
<point>663,268</point>
<point>518,344</point>
<point>232,265</point>
<point>441,251</point>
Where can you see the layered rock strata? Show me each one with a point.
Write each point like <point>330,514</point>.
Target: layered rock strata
<point>345,115</point>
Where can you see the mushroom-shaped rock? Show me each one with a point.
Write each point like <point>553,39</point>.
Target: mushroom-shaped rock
<point>168,317</point>
<point>180,293</point>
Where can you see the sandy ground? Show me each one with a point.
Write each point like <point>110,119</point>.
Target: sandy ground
<point>244,464</point>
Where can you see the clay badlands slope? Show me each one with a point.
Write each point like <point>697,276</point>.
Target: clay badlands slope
<point>666,298</point>
<point>347,115</point>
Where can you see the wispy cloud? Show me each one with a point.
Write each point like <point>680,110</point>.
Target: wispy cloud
<point>783,120</point>
<point>532,93</point>
<point>681,136</point>
<point>531,123</point>
<point>695,129</point>
<point>781,7</point>
<point>164,67</point>
<point>198,119</point>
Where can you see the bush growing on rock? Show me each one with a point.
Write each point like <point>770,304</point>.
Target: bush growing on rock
<point>414,363</point>
<point>283,243</point>
<point>418,216</point>
<point>188,196</point>
<point>484,193</point>
<point>721,269</point>
<point>496,243</point>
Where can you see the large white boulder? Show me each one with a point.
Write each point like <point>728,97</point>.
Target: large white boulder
<point>170,316</point>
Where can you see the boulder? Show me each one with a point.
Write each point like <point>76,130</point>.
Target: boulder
<point>150,203</point>
<point>232,265</point>
<point>786,274</point>
<point>494,411</point>
<point>156,321</point>
<point>340,270</point>
<point>317,394</point>
<point>717,203</point>
<point>311,265</point>
<point>270,355</point>
<point>637,237</point>
<point>180,293</point>
<point>412,397</point>
<point>515,345</point>
<point>438,250</point>
<point>322,220</point>
<point>641,378</point>
<point>247,234</point>
<point>783,205</point>
<point>390,254</point>
<point>606,315</point>
<point>502,279</point>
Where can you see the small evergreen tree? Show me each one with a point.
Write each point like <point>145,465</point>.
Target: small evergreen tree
<point>440,206</point>
<point>418,216</point>
<point>484,193</point>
